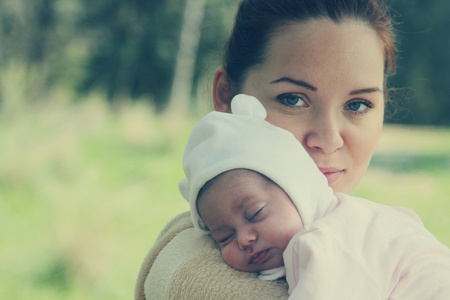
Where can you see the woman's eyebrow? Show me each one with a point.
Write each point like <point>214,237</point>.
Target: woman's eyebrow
<point>365,91</point>
<point>296,82</point>
<point>313,88</point>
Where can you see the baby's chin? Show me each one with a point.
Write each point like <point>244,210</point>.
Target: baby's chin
<point>272,263</point>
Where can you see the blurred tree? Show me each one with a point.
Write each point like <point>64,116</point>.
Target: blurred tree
<point>132,47</point>
<point>424,61</point>
<point>128,49</point>
<point>122,49</point>
<point>28,34</point>
<point>182,82</point>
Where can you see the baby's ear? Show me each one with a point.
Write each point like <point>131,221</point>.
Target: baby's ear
<point>222,91</point>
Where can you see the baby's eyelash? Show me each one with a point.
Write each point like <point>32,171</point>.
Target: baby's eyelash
<point>258,215</point>
<point>225,241</point>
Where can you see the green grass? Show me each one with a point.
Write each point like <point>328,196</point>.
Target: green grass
<point>411,168</point>
<point>85,191</point>
<point>83,194</point>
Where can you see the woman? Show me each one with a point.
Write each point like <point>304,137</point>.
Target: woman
<point>320,69</point>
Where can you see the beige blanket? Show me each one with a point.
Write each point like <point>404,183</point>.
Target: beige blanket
<point>185,264</point>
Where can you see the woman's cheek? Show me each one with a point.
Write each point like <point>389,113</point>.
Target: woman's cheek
<point>362,147</point>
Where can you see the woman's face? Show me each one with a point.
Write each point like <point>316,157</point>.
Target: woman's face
<point>324,82</point>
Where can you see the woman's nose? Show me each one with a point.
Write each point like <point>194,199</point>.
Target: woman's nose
<point>325,135</point>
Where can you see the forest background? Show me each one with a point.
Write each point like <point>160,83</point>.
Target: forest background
<point>90,150</point>
<point>158,51</point>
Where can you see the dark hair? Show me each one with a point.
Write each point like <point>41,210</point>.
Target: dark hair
<point>257,20</point>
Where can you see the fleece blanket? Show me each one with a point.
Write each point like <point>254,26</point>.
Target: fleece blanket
<point>185,264</point>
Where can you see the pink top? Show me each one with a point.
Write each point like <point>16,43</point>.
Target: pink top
<point>364,250</point>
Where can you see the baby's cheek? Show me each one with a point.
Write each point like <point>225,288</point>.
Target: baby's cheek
<point>231,257</point>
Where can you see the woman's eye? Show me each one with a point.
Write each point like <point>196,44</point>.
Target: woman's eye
<point>359,107</point>
<point>292,100</point>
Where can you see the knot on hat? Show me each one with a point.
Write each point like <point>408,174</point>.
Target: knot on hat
<point>245,105</point>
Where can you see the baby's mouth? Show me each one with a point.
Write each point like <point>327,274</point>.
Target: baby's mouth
<point>259,257</point>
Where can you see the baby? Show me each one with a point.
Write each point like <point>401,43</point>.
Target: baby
<point>256,191</point>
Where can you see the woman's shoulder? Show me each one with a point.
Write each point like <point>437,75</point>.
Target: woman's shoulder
<point>186,264</point>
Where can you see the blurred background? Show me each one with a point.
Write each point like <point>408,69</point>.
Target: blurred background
<point>97,99</point>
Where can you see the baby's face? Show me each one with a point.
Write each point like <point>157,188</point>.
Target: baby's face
<point>251,218</point>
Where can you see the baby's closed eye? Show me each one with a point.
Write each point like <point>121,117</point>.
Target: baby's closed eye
<point>257,214</point>
<point>225,240</point>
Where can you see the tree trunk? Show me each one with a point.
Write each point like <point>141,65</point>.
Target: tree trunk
<point>185,65</point>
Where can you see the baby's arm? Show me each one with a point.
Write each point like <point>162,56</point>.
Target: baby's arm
<point>318,267</point>
<point>425,272</point>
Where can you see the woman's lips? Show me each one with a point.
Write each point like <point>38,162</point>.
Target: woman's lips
<point>259,257</point>
<point>332,174</point>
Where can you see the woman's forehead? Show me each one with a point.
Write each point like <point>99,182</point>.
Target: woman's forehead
<point>350,54</point>
<point>319,39</point>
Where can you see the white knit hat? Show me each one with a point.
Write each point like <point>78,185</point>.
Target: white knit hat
<point>244,140</point>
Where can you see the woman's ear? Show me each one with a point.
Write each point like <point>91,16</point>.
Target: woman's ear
<point>222,91</point>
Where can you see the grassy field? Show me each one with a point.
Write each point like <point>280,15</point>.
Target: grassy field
<point>84,192</point>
